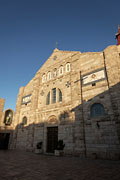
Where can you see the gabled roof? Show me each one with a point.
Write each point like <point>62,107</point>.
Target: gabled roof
<point>56,57</point>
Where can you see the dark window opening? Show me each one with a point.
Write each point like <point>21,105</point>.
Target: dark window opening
<point>24,120</point>
<point>60,95</point>
<point>93,84</point>
<point>54,95</point>
<point>48,99</point>
<point>97,110</point>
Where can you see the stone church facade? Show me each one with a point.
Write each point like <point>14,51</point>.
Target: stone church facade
<point>74,97</point>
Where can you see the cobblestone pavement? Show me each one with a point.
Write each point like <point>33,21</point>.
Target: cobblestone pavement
<point>17,165</point>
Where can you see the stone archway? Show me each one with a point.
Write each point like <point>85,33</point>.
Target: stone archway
<point>52,120</point>
<point>52,134</point>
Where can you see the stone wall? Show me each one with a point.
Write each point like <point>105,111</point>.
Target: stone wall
<point>94,77</point>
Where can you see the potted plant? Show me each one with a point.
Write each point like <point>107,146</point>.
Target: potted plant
<point>59,150</point>
<point>38,149</point>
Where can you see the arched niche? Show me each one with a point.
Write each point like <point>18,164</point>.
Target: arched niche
<point>8,118</point>
<point>52,120</point>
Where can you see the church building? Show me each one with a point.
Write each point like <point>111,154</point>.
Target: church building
<point>74,97</point>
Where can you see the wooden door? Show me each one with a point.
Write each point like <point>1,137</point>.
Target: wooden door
<point>52,139</point>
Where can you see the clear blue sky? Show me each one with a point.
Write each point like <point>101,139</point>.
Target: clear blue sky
<point>29,30</point>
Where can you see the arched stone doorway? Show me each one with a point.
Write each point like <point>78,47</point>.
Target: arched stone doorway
<point>52,134</point>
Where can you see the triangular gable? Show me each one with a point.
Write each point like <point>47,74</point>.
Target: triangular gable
<point>56,57</point>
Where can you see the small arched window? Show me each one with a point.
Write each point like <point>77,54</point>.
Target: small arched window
<point>48,99</point>
<point>68,67</point>
<point>61,69</point>
<point>24,122</point>
<point>49,76</point>
<point>55,73</point>
<point>60,95</point>
<point>97,110</point>
<point>43,78</point>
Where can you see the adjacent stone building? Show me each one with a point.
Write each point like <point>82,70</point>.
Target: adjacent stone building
<point>6,126</point>
<point>74,97</point>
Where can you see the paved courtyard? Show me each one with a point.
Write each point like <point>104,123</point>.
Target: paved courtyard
<point>17,165</point>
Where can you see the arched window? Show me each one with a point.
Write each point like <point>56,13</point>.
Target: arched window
<point>61,69</point>
<point>48,99</point>
<point>60,95</point>
<point>54,95</point>
<point>68,67</point>
<point>43,78</point>
<point>24,122</point>
<point>55,73</point>
<point>97,110</point>
<point>49,76</point>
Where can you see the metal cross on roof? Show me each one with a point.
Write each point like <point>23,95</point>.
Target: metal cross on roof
<point>56,44</point>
